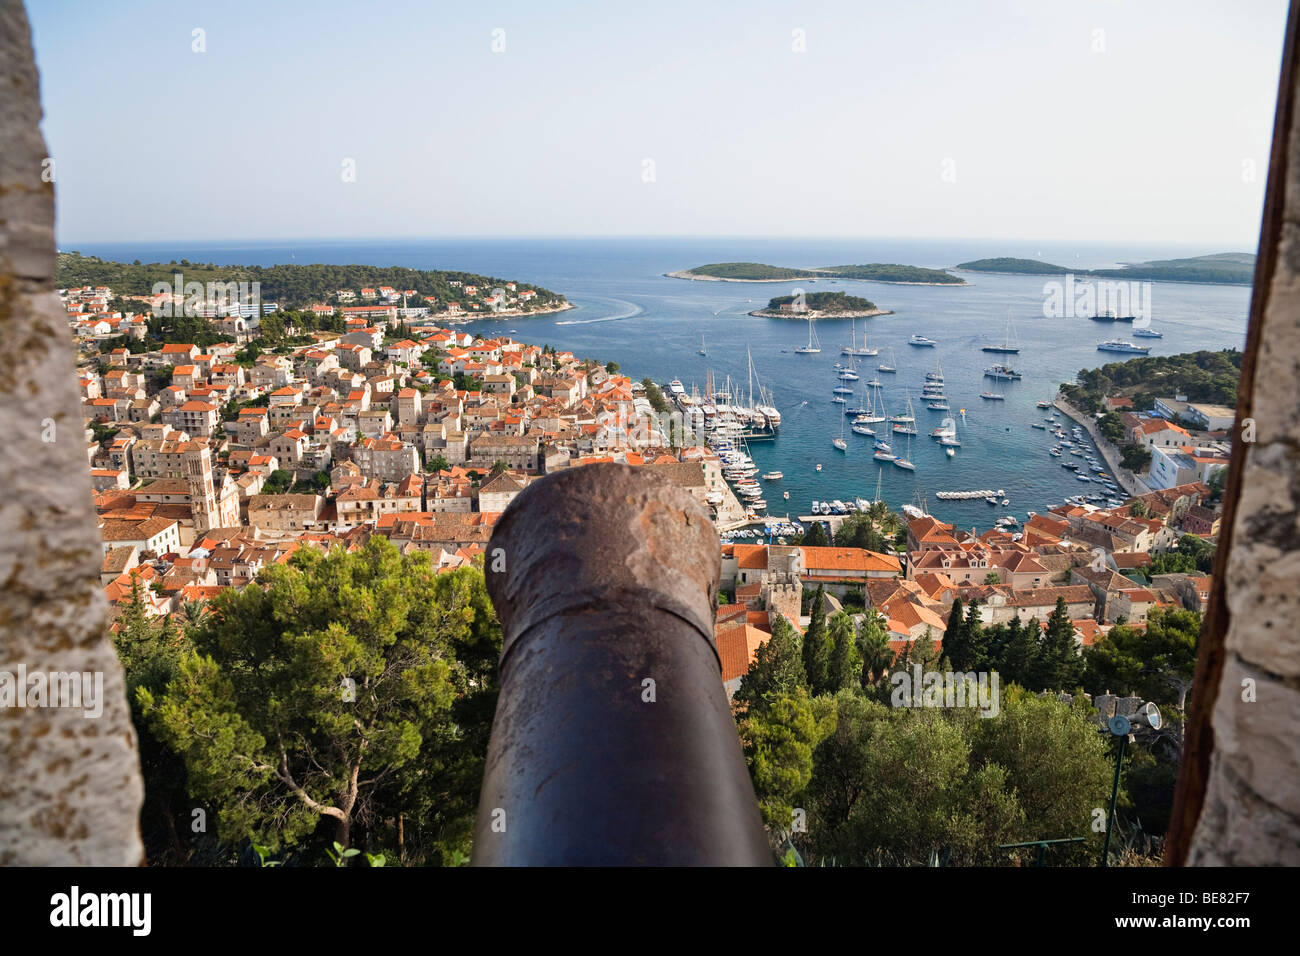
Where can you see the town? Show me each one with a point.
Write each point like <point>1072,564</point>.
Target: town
<point>208,466</point>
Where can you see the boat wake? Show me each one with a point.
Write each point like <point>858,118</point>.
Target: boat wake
<point>633,310</point>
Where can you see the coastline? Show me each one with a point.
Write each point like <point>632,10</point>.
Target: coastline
<point>506,314</point>
<point>805,316</point>
<point>1131,483</point>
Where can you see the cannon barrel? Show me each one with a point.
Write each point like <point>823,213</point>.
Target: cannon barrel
<point>613,741</point>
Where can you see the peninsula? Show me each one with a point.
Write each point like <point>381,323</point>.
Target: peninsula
<point>1224,268</point>
<point>350,289</point>
<point>872,272</point>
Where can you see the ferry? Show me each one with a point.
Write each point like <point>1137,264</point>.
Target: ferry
<point>1122,345</point>
<point>920,340</point>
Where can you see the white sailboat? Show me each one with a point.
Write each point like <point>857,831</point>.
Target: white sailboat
<point>854,349</point>
<point>703,351</point>
<point>813,346</point>
<point>889,366</point>
<point>906,461</point>
<point>840,443</point>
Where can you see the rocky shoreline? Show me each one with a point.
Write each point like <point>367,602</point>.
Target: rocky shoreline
<point>804,316</point>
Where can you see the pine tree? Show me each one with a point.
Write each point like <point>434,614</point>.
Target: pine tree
<point>1060,666</point>
<point>817,646</point>
<point>846,660</point>
<point>956,648</point>
<point>777,668</point>
<point>1019,662</point>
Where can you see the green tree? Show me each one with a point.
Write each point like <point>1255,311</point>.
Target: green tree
<point>778,741</point>
<point>437,463</point>
<point>1156,662</point>
<point>874,650</point>
<point>277,482</point>
<point>818,645</point>
<point>1059,665</point>
<point>992,578</point>
<point>1056,761</point>
<point>845,670</point>
<point>777,668</point>
<point>891,785</point>
<point>1019,662</point>
<point>815,536</point>
<point>326,690</point>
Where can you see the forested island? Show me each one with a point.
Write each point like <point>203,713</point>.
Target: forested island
<point>1227,268</point>
<point>299,286</point>
<point>820,305</point>
<point>873,271</point>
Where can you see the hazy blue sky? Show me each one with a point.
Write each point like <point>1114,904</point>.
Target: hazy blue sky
<point>1045,127</point>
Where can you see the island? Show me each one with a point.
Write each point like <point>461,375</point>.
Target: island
<point>1224,268</point>
<point>820,305</point>
<point>872,272</point>
<point>351,288</point>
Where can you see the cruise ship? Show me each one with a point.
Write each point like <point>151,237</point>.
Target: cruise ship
<point>1122,345</point>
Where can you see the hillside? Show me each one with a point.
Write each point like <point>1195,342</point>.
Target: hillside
<point>893,272</point>
<point>290,286</point>
<point>749,272</point>
<point>1231,268</point>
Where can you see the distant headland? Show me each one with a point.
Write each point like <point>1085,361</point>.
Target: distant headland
<point>873,272</point>
<point>1224,268</point>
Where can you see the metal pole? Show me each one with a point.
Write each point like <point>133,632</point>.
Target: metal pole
<point>1114,796</point>
<point>613,741</point>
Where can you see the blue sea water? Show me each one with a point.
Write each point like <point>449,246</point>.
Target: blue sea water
<point>629,312</point>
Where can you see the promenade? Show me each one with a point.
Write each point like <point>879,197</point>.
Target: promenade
<point>1131,483</point>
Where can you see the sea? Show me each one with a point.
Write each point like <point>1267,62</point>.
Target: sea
<point>628,311</point>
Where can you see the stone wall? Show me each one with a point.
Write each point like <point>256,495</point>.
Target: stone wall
<point>70,785</point>
<point>1238,800</point>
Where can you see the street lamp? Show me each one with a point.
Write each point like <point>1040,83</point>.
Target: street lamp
<point>1148,715</point>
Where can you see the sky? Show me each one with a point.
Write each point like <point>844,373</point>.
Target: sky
<point>1135,120</point>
